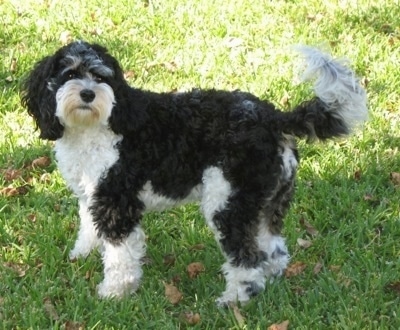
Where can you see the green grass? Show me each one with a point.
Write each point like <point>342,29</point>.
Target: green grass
<point>344,188</point>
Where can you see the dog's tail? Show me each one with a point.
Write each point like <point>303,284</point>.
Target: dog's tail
<point>339,105</point>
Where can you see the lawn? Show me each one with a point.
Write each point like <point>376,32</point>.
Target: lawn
<point>343,229</point>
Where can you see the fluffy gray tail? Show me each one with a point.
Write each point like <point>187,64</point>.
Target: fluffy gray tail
<point>340,103</point>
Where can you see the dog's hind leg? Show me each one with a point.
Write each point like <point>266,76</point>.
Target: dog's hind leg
<point>233,218</point>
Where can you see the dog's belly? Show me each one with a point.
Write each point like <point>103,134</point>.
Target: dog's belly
<point>157,202</point>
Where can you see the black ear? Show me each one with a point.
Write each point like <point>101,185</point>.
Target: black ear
<point>40,101</point>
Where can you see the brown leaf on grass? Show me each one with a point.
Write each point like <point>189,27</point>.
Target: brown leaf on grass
<point>395,178</point>
<point>50,309</point>
<point>20,269</point>
<point>357,175</point>
<point>41,162</point>
<point>13,65</point>
<point>11,174</point>
<point>129,74</point>
<point>238,315</point>
<point>172,293</point>
<point>71,325</point>
<point>295,269</point>
<point>335,268</point>
<point>194,269</point>
<point>317,268</point>
<point>279,326</point>
<point>32,217</point>
<point>189,318</point>
<point>169,260</point>
<point>393,287</point>
<point>15,191</point>
<point>303,243</point>
<point>308,227</point>
<point>197,247</point>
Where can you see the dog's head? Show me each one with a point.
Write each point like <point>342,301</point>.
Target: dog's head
<point>74,87</point>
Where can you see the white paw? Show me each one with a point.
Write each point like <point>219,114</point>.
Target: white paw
<point>79,252</point>
<point>117,289</point>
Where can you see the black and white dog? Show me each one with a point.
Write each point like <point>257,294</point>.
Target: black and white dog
<point>126,151</point>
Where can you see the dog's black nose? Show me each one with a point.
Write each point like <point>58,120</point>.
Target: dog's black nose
<point>87,95</point>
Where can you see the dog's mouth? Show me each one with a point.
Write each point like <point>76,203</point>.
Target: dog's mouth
<point>84,107</point>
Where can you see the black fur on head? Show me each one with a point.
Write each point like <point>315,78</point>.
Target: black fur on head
<point>40,87</point>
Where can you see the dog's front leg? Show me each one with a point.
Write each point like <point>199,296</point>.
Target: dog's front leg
<point>87,235</point>
<point>116,215</point>
<point>122,265</point>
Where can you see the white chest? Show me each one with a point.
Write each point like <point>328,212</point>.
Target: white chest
<point>84,155</point>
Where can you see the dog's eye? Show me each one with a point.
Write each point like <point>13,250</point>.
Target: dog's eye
<point>98,79</point>
<point>71,75</point>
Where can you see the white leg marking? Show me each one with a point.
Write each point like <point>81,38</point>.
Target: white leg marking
<point>122,265</point>
<point>87,235</point>
<point>216,191</point>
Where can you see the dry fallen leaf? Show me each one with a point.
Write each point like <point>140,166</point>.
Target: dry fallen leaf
<point>13,65</point>
<point>11,174</point>
<point>15,191</point>
<point>395,178</point>
<point>20,269</point>
<point>238,315</point>
<point>41,162</point>
<point>197,247</point>
<point>357,175</point>
<point>169,260</point>
<point>317,267</point>
<point>172,293</point>
<point>394,287</point>
<point>190,318</point>
<point>71,325</point>
<point>279,326</point>
<point>194,269</point>
<point>335,268</point>
<point>295,269</point>
<point>309,228</point>
<point>50,309</point>
<point>303,243</point>
<point>129,74</point>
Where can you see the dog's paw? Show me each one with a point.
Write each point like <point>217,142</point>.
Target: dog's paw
<point>242,293</point>
<point>277,262</point>
<point>119,289</point>
<point>78,253</point>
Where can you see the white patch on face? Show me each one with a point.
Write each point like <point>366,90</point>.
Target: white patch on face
<point>216,191</point>
<point>73,111</point>
<point>156,202</point>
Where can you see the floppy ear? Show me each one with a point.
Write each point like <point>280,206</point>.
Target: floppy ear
<point>40,101</point>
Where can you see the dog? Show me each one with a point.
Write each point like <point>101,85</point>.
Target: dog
<point>125,151</point>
